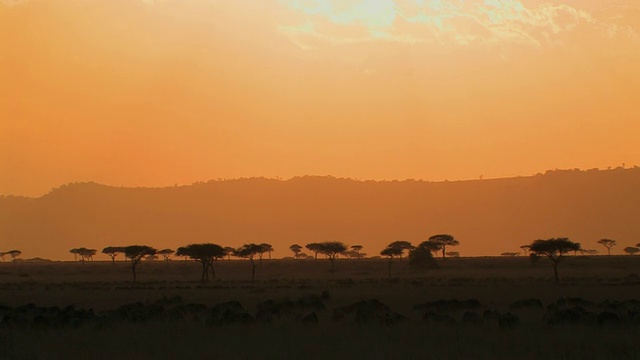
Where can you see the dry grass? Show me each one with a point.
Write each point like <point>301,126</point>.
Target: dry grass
<point>495,282</point>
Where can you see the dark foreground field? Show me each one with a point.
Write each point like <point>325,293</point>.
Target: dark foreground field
<point>469,308</point>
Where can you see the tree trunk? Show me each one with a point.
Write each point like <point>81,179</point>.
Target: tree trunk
<point>253,270</point>
<point>204,272</point>
<point>133,269</point>
<point>389,268</point>
<point>113,260</point>
<point>555,271</point>
<point>332,260</point>
<point>443,251</point>
<point>213,271</point>
<point>316,256</point>
<point>609,251</point>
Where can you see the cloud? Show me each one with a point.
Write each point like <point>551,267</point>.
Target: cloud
<point>456,22</point>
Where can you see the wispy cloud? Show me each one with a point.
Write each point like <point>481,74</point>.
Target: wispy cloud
<point>457,22</point>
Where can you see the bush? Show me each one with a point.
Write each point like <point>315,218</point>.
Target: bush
<point>421,258</point>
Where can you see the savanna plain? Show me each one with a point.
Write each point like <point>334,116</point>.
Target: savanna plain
<point>467,308</point>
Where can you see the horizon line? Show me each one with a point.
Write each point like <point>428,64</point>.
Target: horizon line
<point>297,177</point>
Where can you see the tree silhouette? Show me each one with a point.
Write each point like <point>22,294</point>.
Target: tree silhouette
<point>265,248</point>
<point>14,254</point>
<point>205,254</point>
<point>510,254</point>
<point>442,241</point>
<point>75,254</point>
<point>392,251</point>
<point>554,249</point>
<point>165,253</point>
<point>249,251</point>
<point>331,249</point>
<point>296,250</point>
<point>228,251</point>
<point>315,247</point>
<point>608,243</point>
<point>84,253</point>
<point>113,251</point>
<point>525,248</point>
<point>421,257</point>
<point>357,249</point>
<point>135,253</point>
<point>401,246</point>
<point>631,250</point>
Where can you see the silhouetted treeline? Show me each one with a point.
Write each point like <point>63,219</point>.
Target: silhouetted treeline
<point>488,216</point>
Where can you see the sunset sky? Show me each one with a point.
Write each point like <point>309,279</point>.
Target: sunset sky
<point>163,92</point>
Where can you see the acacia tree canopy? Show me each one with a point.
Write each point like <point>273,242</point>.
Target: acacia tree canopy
<point>205,254</point>
<point>554,249</point>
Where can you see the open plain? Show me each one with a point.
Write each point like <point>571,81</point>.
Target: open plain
<point>480,308</point>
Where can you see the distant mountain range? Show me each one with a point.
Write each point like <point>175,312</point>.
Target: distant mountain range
<point>487,216</point>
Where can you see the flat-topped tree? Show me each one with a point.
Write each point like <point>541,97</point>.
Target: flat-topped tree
<point>135,253</point>
<point>14,254</point>
<point>165,253</point>
<point>554,249</point>
<point>315,247</point>
<point>608,243</point>
<point>442,241</point>
<point>266,248</point>
<point>249,251</point>
<point>525,249</point>
<point>84,253</point>
<point>113,251</point>
<point>393,251</point>
<point>357,249</point>
<point>228,251</point>
<point>205,254</point>
<point>296,250</point>
<point>631,250</point>
<point>401,246</point>
<point>75,254</point>
<point>331,249</point>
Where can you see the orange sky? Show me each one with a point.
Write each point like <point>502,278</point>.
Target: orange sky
<point>158,92</point>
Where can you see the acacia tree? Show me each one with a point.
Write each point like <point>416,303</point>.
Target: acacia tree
<point>331,249</point>
<point>608,243</point>
<point>356,249</point>
<point>296,250</point>
<point>75,254</point>
<point>249,251</point>
<point>391,252</point>
<point>315,247</point>
<point>166,253</point>
<point>631,250</point>
<point>84,253</point>
<point>402,246</point>
<point>442,241</point>
<point>554,249</point>
<point>14,254</point>
<point>113,251</point>
<point>205,254</point>
<point>228,251</point>
<point>135,253</point>
<point>525,248</point>
<point>265,248</point>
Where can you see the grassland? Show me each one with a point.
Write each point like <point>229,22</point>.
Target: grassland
<point>592,285</point>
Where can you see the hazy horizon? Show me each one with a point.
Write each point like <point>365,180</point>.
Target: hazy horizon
<point>307,176</point>
<point>159,92</point>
